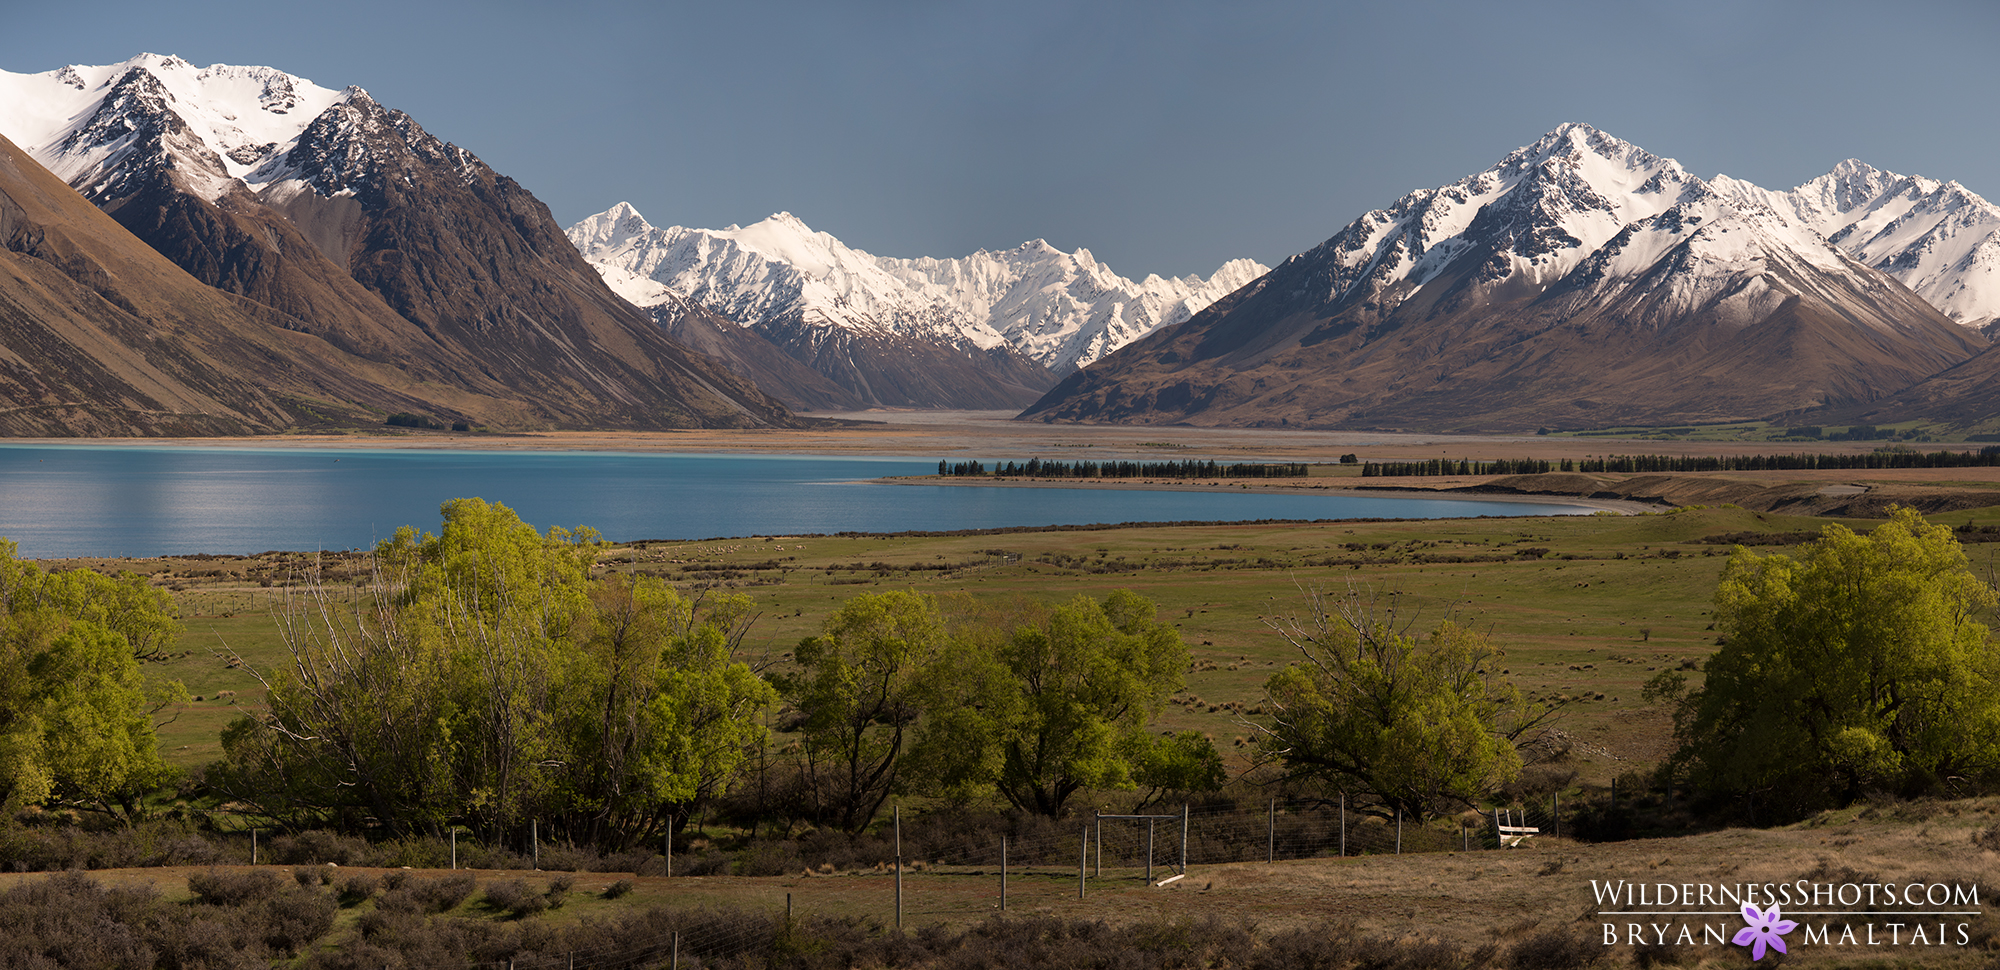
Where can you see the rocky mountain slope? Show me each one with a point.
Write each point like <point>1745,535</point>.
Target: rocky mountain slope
<point>990,326</point>
<point>101,335</point>
<point>349,220</point>
<point>1581,281</point>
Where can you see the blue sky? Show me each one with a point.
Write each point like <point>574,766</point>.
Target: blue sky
<point>1164,136</point>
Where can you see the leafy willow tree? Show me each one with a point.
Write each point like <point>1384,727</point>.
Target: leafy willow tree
<point>491,680</point>
<point>1421,725</point>
<point>1061,702</point>
<point>1861,665</point>
<point>75,717</point>
<point>861,688</point>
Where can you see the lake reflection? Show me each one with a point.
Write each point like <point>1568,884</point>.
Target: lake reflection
<point>96,500</point>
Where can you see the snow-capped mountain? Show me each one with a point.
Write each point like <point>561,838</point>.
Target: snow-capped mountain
<point>1065,310</point>
<point>365,231</point>
<point>1061,310</point>
<point>774,269</point>
<point>1580,280</point>
<point>828,306</point>
<point>94,127</point>
<point>1937,238</point>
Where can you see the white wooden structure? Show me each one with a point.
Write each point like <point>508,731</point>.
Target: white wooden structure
<point>1511,836</point>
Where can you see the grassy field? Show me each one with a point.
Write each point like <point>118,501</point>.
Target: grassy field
<point>1586,607</point>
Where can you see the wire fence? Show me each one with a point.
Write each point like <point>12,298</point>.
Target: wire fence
<point>945,876</point>
<point>1087,853</point>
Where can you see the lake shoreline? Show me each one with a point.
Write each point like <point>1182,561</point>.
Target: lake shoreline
<point>987,436</point>
<point>1284,486</point>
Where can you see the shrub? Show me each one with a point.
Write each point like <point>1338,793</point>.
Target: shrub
<point>514,898</point>
<point>1554,948</point>
<point>356,889</point>
<point>247,919</point>
<point>566,859</point>
<point>770,859</point>
<point>292,920</point>
<point>488,857</point>
<point>709,862</point>
<point>1987,838</point>
<point>632,860</point>
<point>618,889</point>
<point>558,890</point>
<point>420,894</point>
<point>1651,954</point>
<point>320,846</point>
<point>222,887</point>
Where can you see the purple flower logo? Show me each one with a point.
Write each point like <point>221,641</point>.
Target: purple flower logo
<point>1766,929</point>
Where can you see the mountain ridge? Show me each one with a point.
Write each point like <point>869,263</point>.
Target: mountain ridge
<point>350,219</point>
<point>1033,311</point>
<point>1578,281</point>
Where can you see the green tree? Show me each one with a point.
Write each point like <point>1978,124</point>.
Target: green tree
<point>491,680</point>
<point>1058,704</point>
<point>857,699</point>
<point>75,716</point>
<point>1861,665</point>
<point>1185,761</point>
<point>663,716</point>
<point>1419,726</point>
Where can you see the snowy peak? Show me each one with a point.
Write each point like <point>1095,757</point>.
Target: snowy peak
<point>610,231</point>
<point>1579,281</point>
<point>776,269</point>
<point>1535,215</point>
<point>222,123</point>
<point>1936,237</point>
<point>111,130</point>
<point>1580,201</point>
<point>358,147</point>
<point>1066,310</point>
<point>1062,310</point>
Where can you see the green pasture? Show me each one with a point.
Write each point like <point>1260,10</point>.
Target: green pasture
<point>1586,607</point>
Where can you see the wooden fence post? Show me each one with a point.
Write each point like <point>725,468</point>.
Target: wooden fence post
<point>1149,850</point>
<point>899,867</point>
<point>1082,861</point>
<point>1271,835</point>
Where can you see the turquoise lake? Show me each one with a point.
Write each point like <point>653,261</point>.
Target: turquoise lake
<point>84,500</point>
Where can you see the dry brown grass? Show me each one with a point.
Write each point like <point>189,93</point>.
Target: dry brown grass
<point>1468,901</point>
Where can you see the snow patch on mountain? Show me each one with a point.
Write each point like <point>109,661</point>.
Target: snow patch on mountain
<point>221,124</point>
<point>1536,214</point>
<point>1066,310</point>
<point>776,269</point>
<point>1060,309</point>
<point>1594,217</point>
<point>1937,238</point>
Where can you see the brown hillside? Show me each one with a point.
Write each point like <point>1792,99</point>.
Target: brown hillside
<point>100,335</point>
